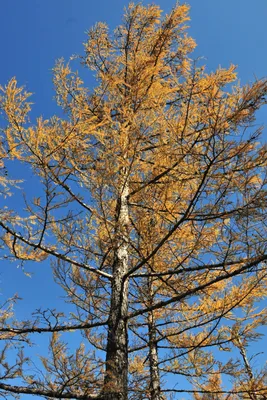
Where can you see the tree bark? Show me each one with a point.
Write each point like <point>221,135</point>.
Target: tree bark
<point>153,353</point>
<point>116,377</point>
<point>251,379</point>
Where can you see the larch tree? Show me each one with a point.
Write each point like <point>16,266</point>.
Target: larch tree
<point>151,206</point>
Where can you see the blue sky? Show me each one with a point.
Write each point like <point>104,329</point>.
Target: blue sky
<point>34,33</point>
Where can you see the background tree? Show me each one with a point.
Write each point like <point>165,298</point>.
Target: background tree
<point>153,212</point>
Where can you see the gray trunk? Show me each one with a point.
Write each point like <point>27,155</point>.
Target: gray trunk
<point>252,394</point>
<point>116,378</point>
<point>153,353</point>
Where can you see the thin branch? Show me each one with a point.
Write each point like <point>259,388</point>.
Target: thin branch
<point>53,252</point>
<point>48,393</point>
<point>199,288</point>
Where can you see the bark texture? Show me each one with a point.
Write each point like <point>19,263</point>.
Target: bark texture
<point>153,352</point>
<point>251,379</point>
<point>116,379</point>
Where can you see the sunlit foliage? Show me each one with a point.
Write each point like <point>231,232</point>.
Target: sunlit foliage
<point>151,205</point>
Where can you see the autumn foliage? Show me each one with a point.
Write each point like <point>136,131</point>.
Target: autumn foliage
<point>151,206</point>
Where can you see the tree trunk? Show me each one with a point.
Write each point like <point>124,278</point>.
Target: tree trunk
<point>153,353</point>
<point>252,395</point>
<point>116,378</point>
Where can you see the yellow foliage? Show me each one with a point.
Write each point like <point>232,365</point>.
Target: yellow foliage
<point>150,200</point>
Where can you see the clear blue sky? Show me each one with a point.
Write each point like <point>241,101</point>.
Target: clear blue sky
<point>34,33</point>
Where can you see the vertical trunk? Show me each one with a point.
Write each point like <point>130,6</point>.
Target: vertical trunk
<point>116,378</point>
<point>153,352</point>
<point>251,379</point>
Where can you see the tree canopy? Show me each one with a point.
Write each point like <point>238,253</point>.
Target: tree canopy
<point>151,207</point>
